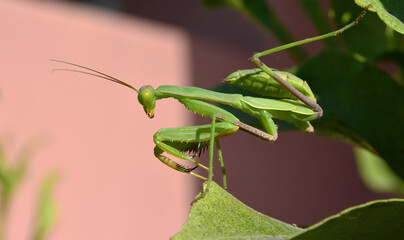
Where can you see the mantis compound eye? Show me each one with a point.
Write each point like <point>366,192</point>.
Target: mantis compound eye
<point>147,98</point>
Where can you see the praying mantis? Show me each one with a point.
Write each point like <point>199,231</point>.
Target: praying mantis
<point>284,96</point>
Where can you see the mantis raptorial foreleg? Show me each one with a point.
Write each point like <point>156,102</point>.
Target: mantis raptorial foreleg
<point>176,166</point>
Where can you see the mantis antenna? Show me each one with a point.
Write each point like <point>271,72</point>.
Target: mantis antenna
<point>95,73</point>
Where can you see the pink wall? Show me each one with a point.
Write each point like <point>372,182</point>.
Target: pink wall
<point>97,135</point>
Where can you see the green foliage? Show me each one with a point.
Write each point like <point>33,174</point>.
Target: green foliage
<point>376,174</point>
<point>11,177</point>
<point>46,208</point>
<point>219,215</point>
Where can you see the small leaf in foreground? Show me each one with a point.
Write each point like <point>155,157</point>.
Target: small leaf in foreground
<point>219,215</point>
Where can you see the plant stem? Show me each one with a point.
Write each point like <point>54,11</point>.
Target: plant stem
<point>308,40</point>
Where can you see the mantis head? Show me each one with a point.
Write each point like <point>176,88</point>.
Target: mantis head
<point>147,98</point>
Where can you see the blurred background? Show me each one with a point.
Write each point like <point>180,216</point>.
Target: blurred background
<point>95,136</point>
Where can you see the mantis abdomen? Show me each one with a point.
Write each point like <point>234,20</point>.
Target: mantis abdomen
<point>257,81</point>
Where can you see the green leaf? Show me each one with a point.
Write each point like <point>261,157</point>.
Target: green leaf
<point>11,175</point>
<point>368,37</point>
<point>362,104</point>
<point>376,174</point>
<point>390,11</point>
<point>46,209</point>
<point>3,168</point>
<point>219,215</point>
<point>381,219</point>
